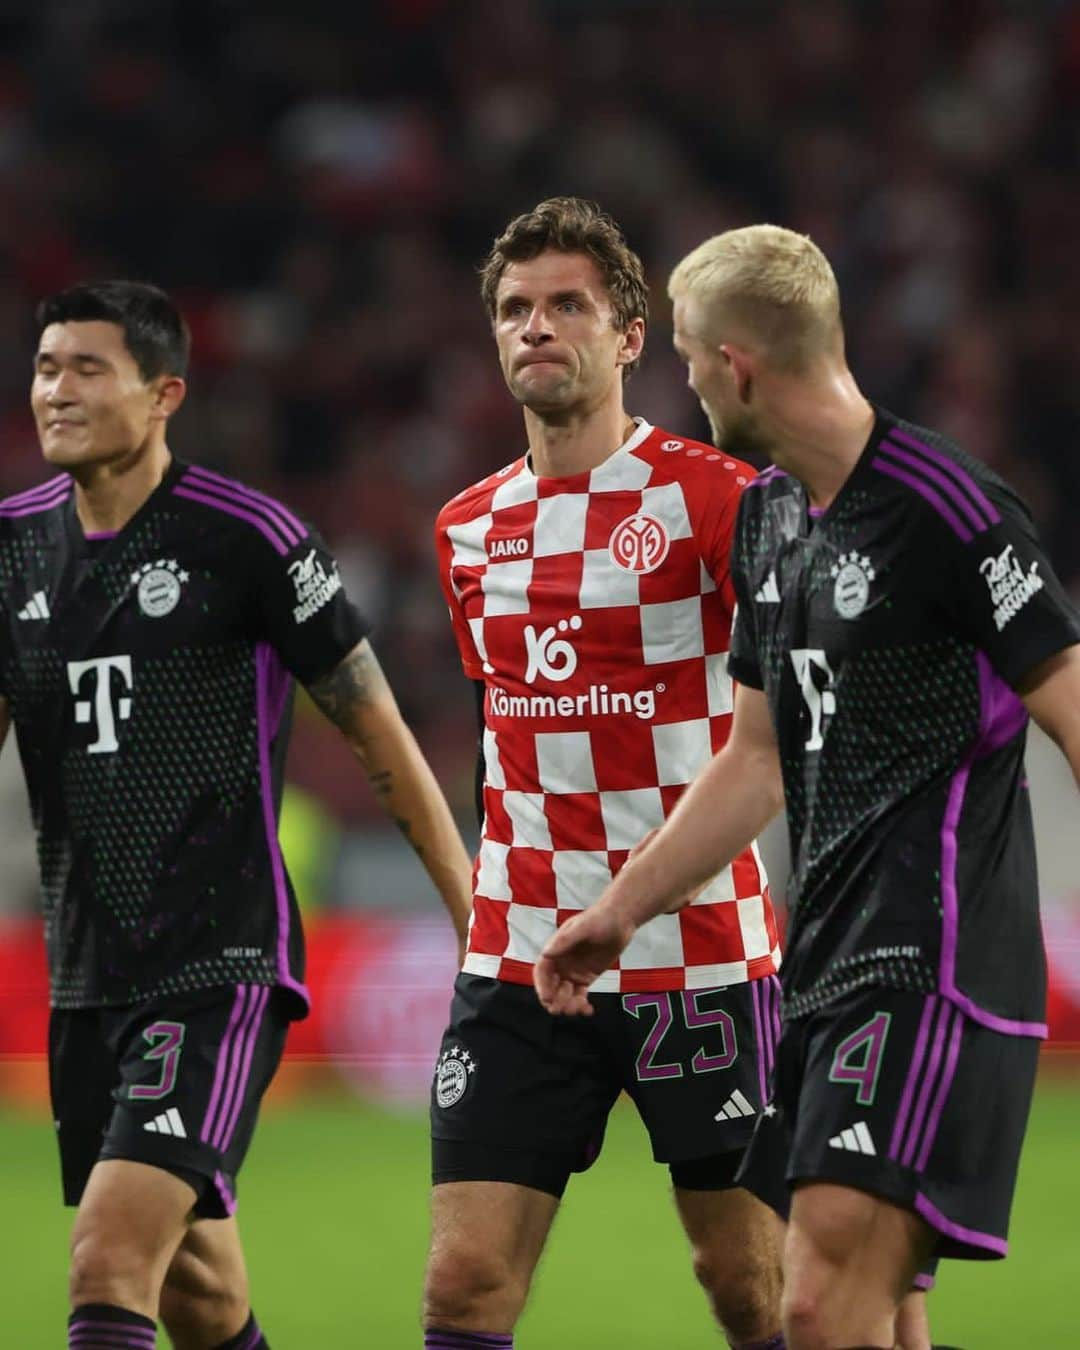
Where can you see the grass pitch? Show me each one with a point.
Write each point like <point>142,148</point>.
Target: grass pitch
<point>334,1213</point>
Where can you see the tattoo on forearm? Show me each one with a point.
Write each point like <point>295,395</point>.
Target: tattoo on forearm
<point>355,680</point>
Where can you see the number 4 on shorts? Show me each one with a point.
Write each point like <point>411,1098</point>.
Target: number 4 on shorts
<point>858,1057</point>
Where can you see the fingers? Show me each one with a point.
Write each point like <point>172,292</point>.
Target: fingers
<point>558,993</point>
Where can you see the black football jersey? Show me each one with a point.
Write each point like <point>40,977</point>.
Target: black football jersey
<point>149,676</point>
<point>889,633</point>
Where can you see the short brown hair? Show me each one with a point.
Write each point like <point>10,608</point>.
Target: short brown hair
<point>572,225</point>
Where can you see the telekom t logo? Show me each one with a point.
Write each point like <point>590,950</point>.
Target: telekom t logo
<point>100,711</point>
<point>815,677</point>
<point>548,655</point>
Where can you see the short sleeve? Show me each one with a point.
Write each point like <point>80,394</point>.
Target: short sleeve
<point>471,660</point>
<point>744,663</point>
<point>306,615</point>
<point>1001,591</point>
<point>716,535</point>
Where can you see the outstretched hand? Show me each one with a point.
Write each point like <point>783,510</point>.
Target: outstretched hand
<point>579,953</point>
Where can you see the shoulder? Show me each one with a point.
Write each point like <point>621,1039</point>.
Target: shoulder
<point>938,479</point>
<point>479,498</point>
<point>241,509</point>
<point>17,511</point>
<point>707,475</point>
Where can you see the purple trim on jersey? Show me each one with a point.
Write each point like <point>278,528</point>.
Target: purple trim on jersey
<point>20,506</point>
<point>914,1071</point>
<point>270,677</point>
<point>99,535</point>
<point>63,480</point>
<point>766,476</point>
<point>955,471</point>
<point>946,1012</point>
<point>980,523</point>
<point>998,724</point>
<point>254,1339</point>
<point>260,1001</point>
<point>260,524</point>
<point>944,1085</point>
<point>282,517</point>
<point>923,488</point>
<point>224,1190</point>
<point>971,1236</point>
<point>1004,715</point>
<point>224,1056</point>
<point>923,1281</point>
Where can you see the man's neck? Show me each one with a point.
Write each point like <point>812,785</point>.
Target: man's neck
<point>576,443</point>
<point>108,495</point>
<point>821,434</point>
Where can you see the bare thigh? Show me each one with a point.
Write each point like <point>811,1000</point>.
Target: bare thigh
<point>205,1299</point>
<point>486,1239</point>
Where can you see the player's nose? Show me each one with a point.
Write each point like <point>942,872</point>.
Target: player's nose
<point>538,328</point>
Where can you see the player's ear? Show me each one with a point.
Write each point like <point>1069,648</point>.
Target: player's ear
<point>633,342</point>
<point>740,369</point>
<point>169,393</point>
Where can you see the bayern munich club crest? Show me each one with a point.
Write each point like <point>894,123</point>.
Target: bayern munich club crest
<point>853,575</point>
<point>639,544</point>
<point>452,1075</point>
<point>159,585</point>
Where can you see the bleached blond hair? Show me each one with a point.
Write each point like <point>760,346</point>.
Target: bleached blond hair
<point>768,287</point>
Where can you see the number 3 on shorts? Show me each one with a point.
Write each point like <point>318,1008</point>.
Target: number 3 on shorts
<point>165,1040</point>
<point>858,1057</point>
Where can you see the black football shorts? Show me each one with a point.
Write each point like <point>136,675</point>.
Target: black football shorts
<point>174,1082</point>
<point>523,1097</point>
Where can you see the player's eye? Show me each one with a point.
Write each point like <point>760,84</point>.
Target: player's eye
<point>569,306</point>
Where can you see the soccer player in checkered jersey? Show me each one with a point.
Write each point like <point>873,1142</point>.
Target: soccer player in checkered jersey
<point>898,623</point>
<point>153,616</point>
<point>590,596</point>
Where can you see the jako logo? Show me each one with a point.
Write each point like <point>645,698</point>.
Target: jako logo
<point>548,655</point>
<point>508,548</point>
<point>638,544</point>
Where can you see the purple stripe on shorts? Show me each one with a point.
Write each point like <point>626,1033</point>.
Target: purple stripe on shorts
<point>930,1133</point>
<point>971,1236</point>
<point>279,515</point>
<point>923,1281</point>
<point>928,494</point>
<point>914,1071</point>
<point>956,471</point>
<point>225,1191</point>
<point>236,1067</point>
<point>941,1029</point>
<point>46,489</point>
<point>944,482</point>
<point>269,673</point>
<point>224,1052</point>
<point>262,998</point>
<point>260,524</point>
<point>759,1037</point>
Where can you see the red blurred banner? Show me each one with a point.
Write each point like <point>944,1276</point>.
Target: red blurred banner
<point>381,990</point>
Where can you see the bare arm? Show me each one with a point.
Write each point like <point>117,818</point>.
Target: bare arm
<point>728,805</point>
<point>357,699</point>
<point>1052,695</point>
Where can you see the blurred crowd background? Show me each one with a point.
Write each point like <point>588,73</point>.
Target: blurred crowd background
<point>316,184</point>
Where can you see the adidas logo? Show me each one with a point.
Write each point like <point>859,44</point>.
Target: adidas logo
<point>769,593</point>
<point>168,1122</point>
<point>735,1108</point>
<point>855,1140</point>
<point>36,608</point>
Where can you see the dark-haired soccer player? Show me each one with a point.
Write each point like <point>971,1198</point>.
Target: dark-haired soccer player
<point>153,616</point>
<point>589,590</point>
<point>898,622</point>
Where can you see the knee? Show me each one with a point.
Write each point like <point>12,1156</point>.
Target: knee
<point>197,1306</point>
<point>464,1286</point>
<point>744,1288</point>
<point>104,1268</point>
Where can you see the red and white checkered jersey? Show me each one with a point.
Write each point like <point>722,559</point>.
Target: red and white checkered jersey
<point>597,611</point>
